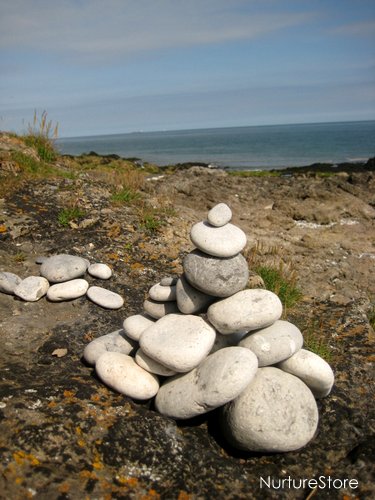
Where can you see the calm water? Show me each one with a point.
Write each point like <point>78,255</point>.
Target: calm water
<point>260,147</point>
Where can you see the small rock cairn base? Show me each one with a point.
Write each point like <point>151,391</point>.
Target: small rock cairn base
<point>204,341</point>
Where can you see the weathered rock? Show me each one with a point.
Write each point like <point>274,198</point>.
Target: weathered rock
<point>105,298</point>
<point>162,293</point>
<point>219,215</point>
<point>159,309</point>
<point>67,290</point>
<point>151,365</point>
<point>8,282</point>
<point>245,311</point>
<point>276,412</point>
<point>224,241</point>
<point>135,325</point>
<point>115,341</point>
<point>99,270</point>
<point>216,276</point>
<point>189,299</point>
<point>168,281</point>
<point>32,288</point>
<point>63,267</point>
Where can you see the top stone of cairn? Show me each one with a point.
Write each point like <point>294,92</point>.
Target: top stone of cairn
<point>219,215</point>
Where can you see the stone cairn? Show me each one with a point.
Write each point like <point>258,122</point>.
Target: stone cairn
<point>204,341</point>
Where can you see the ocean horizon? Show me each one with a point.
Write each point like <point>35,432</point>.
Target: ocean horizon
<point>260,147</point>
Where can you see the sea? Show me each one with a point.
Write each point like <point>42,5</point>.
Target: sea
<point>238,148</point>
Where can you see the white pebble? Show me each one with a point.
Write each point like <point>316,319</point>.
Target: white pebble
<point>219,215</point>
<point>113,342</point>
<point>67,290</point>
<point>101,271</point>
<point>32,288</point>
<point>105,298</point>
<point>135,325</point>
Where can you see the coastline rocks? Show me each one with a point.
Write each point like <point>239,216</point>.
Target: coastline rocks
<point>244,311</point>
<point>276,412</point>
<point>135,325</point>
<point>63,267</point>
<point>113,342</point>
<point>189,299</point>
<point>314,371</point>
<point>179,342</point>
<point>162,293</point>
<point>221,377</point>
<point>32,288</point>
<point>224,241</point>
<point>67,290</point>
<point>219,215</point>
<point>8,282</point>
<point>121,373</point>
<point>105,298</point>
<point>151,365</point>
<point>274,343</point>
<point>101,271</point>
<point>159,309</point>
<point>220,277</point>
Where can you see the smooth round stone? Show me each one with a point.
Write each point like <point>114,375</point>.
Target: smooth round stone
<point>67,290</point>
<point>151,365</point>
<point>8,282</point>
<point>274,343</point>
<point>224,241</point>
<point>314,371</point>
<point>219,215</point>
<point>32,288</point>
<point>215,276</point>
<point>168,281</point>
<point>105,298</point>
<point>244,311</point>
<point>221,377</point>
<point>135,325</point>
<point>276,412</point>
<point>101,271</point>
<point>40,259</point>
<point>189,299</point>
<point>63,267</point>
<point>162,293</point>
<point>159,309</point>
<point>113,342</point>
<point>179,342</point>
<point>121,373</point>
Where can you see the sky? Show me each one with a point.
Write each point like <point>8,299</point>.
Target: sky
<point>117,66</point>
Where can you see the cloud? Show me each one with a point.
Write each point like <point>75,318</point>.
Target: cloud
<point>365,28</point>
<point>97,29</point>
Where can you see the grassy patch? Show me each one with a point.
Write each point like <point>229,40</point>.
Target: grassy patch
<point>254,173</point>
<point>40,136</point>
<point>67,215</point>
<point>371,316</point>
<point>125,195</point>
<point>282,283</point>
<point>314,340</point>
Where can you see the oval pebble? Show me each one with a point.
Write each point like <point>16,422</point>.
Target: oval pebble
<point>189,299</point>
<point>99,270</point>
<point>113,342</point>
<point>313,370</point>
<point>135,325</point>
<point>168,281</point>
<point>32,288</point>
<point>224,241</point>
<point>159,309</point>
<point>276,412</point>
<point>162,293</point>
<point>121,373</point>
<point>151,365</point>
<point>219,215</point>
<point>105,298</point>
<point>67,290</point>
<point>63,267</point>
<point>8,282</point>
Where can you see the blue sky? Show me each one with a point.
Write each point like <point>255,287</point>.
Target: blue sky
<point>113,66</point>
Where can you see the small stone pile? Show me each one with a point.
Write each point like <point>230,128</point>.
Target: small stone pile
<point>65,273</point>
<point>204,341</point>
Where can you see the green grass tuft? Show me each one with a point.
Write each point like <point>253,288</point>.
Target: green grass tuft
<point>126,195</point>
<point>281,284</point>
<point>68,215</point>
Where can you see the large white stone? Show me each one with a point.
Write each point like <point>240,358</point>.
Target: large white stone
<point>179,342</point>
<point>224,241</point>
<point>219,215</point>
<point>135,325</point>
<point>274,343</point>
<point>162,293</point>
<point>121,373</point>
<point>99,270</point>
<point>32,288</point>
<point>220,377</point>
<point>189,299</point>
<point>276,412</point>
<point>105,298</point>
<point>67,290</point>
<point>151,365</point>
<point>244,311</point>
<point>113,342</point>
<point>8,282</point>
<point>314,371</point>
<point>63,267</point>
<point>159,309</point>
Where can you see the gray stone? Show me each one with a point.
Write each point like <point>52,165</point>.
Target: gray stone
<point>276,412</point>
<point>8,282</point>
<point>179,342</point>
<point>67,290</point>
<point>151,365</point>
<point>121,373</point>
<point>313,370</point>
<point>244,311</point>
<point>222,341</point>
<point>115,341</point>
<point>220,277</point>
<point>219,215</point>
<point>63,267</point>
<point>135,325</point>
<point>168,281</point>
<point>32,288</point>
<point>274,343</point>
<point>99,270</point>
<point>189,299</point>
<point>105,298</point>
<point>40,259</point>
<point>224,241</point>
<point>162,293</point>
<point>221,377</point>
<point>159,309</point>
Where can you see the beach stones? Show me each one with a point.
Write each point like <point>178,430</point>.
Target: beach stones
<point>105,298</point>
<point>223,241</point>
<point>8,282</point>
<point>159,309</point>
<point>63,267</point>
<point>274,343</point>
<point>189,299</point>
<point>99,270</point>
<point>67,290</point>
<point>244,311</point>
<point>151,365</point>
<point>135,325</point>
<point>113,342</point>
<point>216,276</point>
<point>219,215</point>
<point>276,412</point>
<point>162,293</point>
<point>121,373</point>
<point>32,288</point>
<point>179,342</point>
